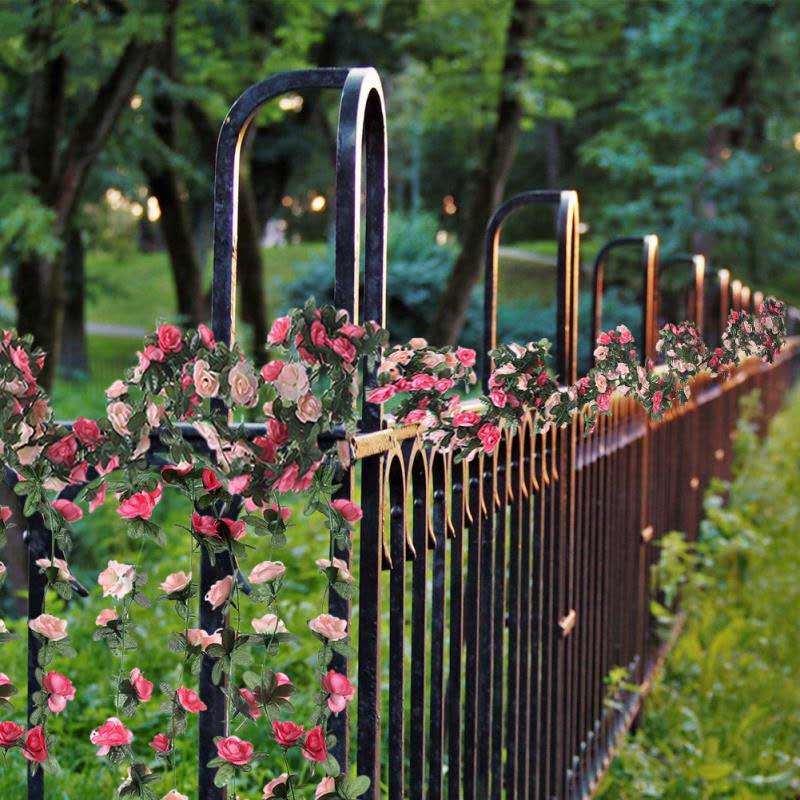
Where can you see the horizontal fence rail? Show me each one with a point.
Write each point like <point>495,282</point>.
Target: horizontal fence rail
<point>495,596</point>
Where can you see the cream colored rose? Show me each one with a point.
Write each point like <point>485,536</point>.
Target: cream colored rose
<point>269,624</point>
<point>175,582</point>
<point>292,383</point>
<point>116,390</point>
<point>418,343</point>
<point>106,616</point>
<point>329,627</point>
<point>119,415</point>
<point>197,637</point>
<point>117,579</point>
<point>206,382</point>
<point>267,571</point>
<point>244,384</point>
<point>343,573</point>
<point>309,408</point>
<point>63,570</point>
<point>50,627</point>
<point>219,591</point>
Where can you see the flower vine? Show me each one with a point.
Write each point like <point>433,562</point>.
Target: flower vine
<point>191,395</point>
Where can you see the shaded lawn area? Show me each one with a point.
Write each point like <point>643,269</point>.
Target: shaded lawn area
<point>724,720</point>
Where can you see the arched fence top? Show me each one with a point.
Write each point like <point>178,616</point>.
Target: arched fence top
<point>567,274</point>
<point>696,275</point>
<point>649,270</point>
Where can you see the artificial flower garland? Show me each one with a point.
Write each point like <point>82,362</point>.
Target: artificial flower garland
<point>186,377</point>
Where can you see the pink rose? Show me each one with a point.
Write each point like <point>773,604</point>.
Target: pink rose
<point>206,336</point>
<point>271,370</point>
<point>625,336</point>
<point>465,419</point>
<point>253,708</point>
<point>287,480</point>
<point>143,687</point>
<point>190,701</point>
<point>137,506</point>
<point>498,398</point>
<point>63,451</point>
<point>348,509</point>
<point>175,582</point>
<point>112,733</point>
<point>604,401</point>
<point>119,415</point>
<point>344,349</point>
<point>169,338</point>
<point>61,690</point>
<point>35,746</point>
<point>49,627</point>
<point>174,794</point>
<point>267,571</point>
<point>5,680</point>
<point>269,625</point>
<point>205,525</point>
<point>340,690</point>
<point>244,384</point>
<point>210,480</point>
<point>206,382</point>
<point>69,510</point>
<point>5,514</point>
<point>10,733</point>
<point>279,330</point>
<point>314,746</point>
<point>657,399</point>
<point>219,591</point>
<point>380,394</point>
<point>105,616</point>
<point>235,750</point>
<point>466,356</point>
<point>237,528</point>
<point>287,734</point>
<point>269,788</point>
<point>309,408</point>
<point>326,786</point>
<point>161,743</point>
<point>329,627</point>
<point>117,579</point>
<point>422,382</point>
<point>489,434</point>
<point>292,383</point>
<point>319,336</point>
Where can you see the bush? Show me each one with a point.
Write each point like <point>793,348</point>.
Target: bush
<point>722,721</point>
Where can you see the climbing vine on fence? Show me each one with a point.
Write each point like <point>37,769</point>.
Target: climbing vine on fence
<point>237,485</point>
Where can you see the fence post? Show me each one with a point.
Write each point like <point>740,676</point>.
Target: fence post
<point>557,599</point>
<point>214,721</point>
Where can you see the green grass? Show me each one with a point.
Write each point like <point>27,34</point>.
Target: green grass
<point>724,720</point>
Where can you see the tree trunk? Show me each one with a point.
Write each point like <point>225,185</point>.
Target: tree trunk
<point>74,354</point>
<point>488,181</point>
<point>165,185</point>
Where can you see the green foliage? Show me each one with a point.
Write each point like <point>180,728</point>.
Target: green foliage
<point>722,721</point>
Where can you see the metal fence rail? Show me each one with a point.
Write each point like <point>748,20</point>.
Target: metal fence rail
<point>495,596</point>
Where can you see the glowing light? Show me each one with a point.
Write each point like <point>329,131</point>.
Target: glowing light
<point>724,275</point>
<point>583,228</point>
<point>745,296</point>
<point>758,299</point>
<point>699,265</point>
<point>290,102</point>
<point>441,238</point>
<point>796,141</point>
<point>136,101</point>
<point>318,203</point>
<point>449,205</point>
<point>153,209</point>
<point>137,210</point>
<point>725,153</point>
<point>114,198</point>
<point>286,201</point>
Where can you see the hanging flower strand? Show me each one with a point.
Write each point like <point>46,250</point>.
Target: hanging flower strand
<point>310,389</point>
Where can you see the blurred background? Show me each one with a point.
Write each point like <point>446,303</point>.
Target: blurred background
<point>678,118</point>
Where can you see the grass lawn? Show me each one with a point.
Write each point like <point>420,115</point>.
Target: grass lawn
<point>724,720</point>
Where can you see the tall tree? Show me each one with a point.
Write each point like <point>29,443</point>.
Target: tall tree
<point>56,160</point>
<point>489,177</point>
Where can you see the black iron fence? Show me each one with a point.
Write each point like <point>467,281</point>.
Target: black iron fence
<point>496,595</point>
